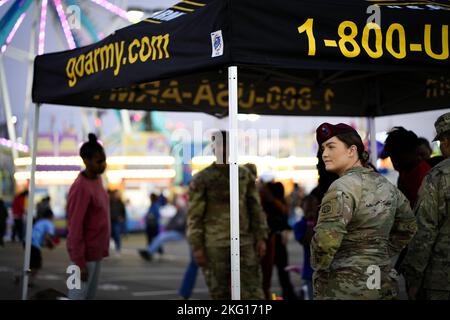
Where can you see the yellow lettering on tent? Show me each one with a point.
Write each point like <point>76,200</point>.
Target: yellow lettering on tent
<point>172,93</point>
<point>401,53</point>
<point>96,54</point>
<point>106,56</point>
<point>119,54</point>
<point>132,56</point>
<point>304,102</point>
<point>79,68</point>
<point>308,27</point>
<point>445,53</point>
<point>348,38</point>
<point>274,94</point>
<point>145,46</point>
<point>159,47</point>
<point>251,97</point>
<point>329,94</point>
<point>70,72</point>
<point>222,96</point>
<point>289,98</point>
<point>378,52</point>
<point>204,93</point>
<point>88,64</point>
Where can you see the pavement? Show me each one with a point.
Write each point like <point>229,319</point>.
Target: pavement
<point>124,277</point>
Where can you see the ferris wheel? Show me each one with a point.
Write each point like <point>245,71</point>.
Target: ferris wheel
<point>77,24</point>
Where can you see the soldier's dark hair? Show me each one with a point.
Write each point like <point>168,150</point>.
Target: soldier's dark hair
<point>445,135</point>
<point>424,142</point>
<point>352,138</point>
<point>91,147</point>
<point>400,140</point>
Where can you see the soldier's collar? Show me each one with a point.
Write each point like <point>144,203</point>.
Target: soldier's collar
<point>357,169</point>
<point>221,166</point>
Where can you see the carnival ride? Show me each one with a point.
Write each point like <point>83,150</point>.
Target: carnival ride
<point>77,24</point>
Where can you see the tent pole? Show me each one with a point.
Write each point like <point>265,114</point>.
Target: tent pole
<point>234,183</point>
<point>29,85</point>
<point>373,141</point>
<point>29,224</point>
<point>8,113</point>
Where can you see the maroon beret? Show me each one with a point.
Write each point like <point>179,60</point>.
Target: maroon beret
<point>327,131</point>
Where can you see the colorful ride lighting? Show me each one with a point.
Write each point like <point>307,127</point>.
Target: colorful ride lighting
<point>65,24</point>
<point>42,25</point>
<point>115,175</point>
<point>112,8</point>
<point>113,160</point>
<point>49,161</point>
<point>267,161</point>
<point>13,32</point>
<point>112,175</point>
<point>134,16</point>
<point>203,160</point>
<point>297,175</point>
<point>2,2</point>
<point>296,162</point>
<point>139,161</point>
<point>18,146</point>
<point>47,175</point>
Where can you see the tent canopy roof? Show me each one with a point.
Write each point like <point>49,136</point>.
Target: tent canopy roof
<point>296,57</point>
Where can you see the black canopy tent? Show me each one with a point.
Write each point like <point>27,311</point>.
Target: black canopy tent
<point>298,57</point>
<point>295,58</point>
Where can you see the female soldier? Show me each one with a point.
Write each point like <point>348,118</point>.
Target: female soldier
<point>364,221</point>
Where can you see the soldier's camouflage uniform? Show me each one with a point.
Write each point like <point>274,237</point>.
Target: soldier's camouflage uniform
<point>208,227</point>
<point>364,221</point>
<point>427,263</point>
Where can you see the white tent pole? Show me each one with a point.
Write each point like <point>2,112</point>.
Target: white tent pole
<point>26,263</point>
<point>4,93</point>
<point>126,123</point>
<point>234,183</point>
<point>373,141</point>
<point>29,85</point>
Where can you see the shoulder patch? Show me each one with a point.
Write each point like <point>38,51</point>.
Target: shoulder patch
<point>192,185</point>
<point>326,208</point>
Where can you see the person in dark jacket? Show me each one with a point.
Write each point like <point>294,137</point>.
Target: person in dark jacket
<point>118,218</point>
<point>175,230</point>
<point>3,219</point>
<point>275,206</point>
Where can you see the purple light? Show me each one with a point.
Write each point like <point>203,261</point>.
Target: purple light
<point>42,25</point>
<point>2,2</point>
<point>18,146</point>
<point>112,8</point>
<point>64,24</point>
<point>13,31</point>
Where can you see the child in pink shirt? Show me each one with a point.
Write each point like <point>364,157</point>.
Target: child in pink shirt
<point>88,220</point>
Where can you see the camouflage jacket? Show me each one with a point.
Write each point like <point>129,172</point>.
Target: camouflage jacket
<point>427,263</point>
<point>363,220</point>
<point>209,209</point>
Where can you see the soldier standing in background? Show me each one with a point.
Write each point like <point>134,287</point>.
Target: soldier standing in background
<point>209,226</point>
<point>364,221</point>
<point>427,264</point>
